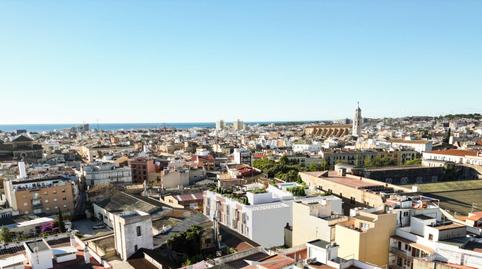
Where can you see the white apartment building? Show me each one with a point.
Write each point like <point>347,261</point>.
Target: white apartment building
<point>431,243</point>
<point>132,231</point>
<point>105,173</point>
<point>308,148</point>
<point>242,156</point>
<point>406,206</point>
<point>39,254</point>
<point>440,157</point>
<point>417,145</point>
<point>260,217</point>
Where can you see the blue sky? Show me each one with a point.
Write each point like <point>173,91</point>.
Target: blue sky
<point>188,61</point>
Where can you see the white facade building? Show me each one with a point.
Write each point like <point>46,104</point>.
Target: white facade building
<point>261,217</point>
<point>242,156</point>
<point>440,157</point>
<point>105,173</point>
<point>132,231</point>
<point>39,254</point>
<point>309,148</point>
<point>429,243</point>
<point>417,145</point>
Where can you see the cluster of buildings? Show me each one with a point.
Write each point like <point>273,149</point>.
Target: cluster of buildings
<point>331,194</point>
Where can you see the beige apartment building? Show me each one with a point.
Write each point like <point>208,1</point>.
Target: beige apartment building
<point>36,196</point>
<point>362,190</point>
<point>365,237</point>
<point>315,218</point>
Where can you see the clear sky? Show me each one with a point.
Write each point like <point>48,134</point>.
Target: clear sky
<point>189,61</point>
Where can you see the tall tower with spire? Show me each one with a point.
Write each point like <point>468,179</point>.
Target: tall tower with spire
<point>357,122</point>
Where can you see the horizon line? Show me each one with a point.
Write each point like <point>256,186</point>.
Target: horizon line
<point>250,121</point>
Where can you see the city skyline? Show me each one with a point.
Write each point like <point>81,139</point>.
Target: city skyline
<point>280,134</point>
<point>115,62</point>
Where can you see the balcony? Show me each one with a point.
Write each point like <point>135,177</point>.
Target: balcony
<point>36,202</point>
<point>400,253</point>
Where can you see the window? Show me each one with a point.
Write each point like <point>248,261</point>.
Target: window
<point>430,237</point>
<point>138,230</point>
<point>135,248</point>
<point>65,198</point>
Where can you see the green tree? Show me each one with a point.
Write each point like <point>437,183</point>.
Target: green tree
<point>188,242</point>
<point>292,176</point>
<point>417,161</point>
<point>378,162</point>
<point>5,235</point>
<point>314,167</point>
<point>263,164</point>
<point>297,191</point>
<point>284,160</point>
<point>60,222</point>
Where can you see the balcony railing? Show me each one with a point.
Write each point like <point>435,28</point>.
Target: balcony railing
<point>400,252</point>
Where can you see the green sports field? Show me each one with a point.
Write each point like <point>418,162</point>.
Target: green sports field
<point>456,196</point>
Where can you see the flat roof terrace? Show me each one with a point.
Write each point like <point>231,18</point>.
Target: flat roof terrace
<point>37,245</point>
<point>357,183</point>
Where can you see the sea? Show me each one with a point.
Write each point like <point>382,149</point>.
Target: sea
<point>103,126</point>
<point>125,126</point>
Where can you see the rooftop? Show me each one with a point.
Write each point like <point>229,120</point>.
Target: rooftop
<point>473,245</point>
<point>456,152</point>
<point>273,262</point>
<point>121,201</point>
<point>319,243</point>
<point>350,181</point>
<point>449,226</point>
<point>37,245</point>
<point>410,141</point>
